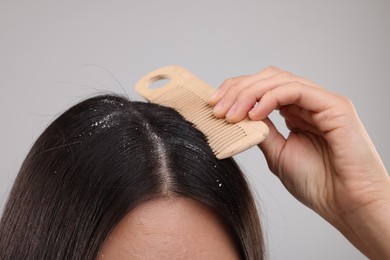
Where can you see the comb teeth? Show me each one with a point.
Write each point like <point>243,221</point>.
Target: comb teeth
<point>220,134</point>
<point>188,95</point>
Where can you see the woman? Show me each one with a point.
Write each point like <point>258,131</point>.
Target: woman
<point>116,179</point>
<point>328,162</point>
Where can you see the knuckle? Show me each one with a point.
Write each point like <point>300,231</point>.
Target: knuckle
<point>230,81</point>
<point>229,84</point>
<point>272,69</point>
<point>294,85</point>
<point>245,93</point>
<point>235,85</point>
<point>347,101</point>
<point>231,95</point>
<point>268,95</point>
<point>298,84</point>
<point>286,74</point>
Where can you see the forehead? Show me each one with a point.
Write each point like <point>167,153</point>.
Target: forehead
<point>170,228</point>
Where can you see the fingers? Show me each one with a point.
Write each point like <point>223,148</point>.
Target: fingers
<point>242,81</point>
<point>237,96</point>
<point>225,96</point>
<point>247,98</point>
<point>306,97</point>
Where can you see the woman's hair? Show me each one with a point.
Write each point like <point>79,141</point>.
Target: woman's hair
<point>101,159</point>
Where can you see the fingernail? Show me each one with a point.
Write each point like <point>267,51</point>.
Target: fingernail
<point>232,110</point>
<point>251,112</point>
<point>218,106</point>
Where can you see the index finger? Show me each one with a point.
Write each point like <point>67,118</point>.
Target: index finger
<point>306,97</point>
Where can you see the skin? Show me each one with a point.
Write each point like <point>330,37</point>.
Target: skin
<point>328,160</point>
<point>170,228</point>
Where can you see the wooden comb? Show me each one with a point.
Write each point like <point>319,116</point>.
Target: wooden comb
<point>189,95</point>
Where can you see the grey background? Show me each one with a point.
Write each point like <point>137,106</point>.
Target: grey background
<point>46,46</point>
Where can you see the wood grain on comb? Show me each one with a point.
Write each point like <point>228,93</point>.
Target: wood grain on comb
<point>189,95</point>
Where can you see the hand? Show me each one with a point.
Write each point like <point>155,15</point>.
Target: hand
<point>328,161</point>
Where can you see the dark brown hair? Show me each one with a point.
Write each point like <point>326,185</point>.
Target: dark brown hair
<point>102,158</point>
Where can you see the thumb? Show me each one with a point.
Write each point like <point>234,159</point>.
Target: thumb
<point>272,146</point>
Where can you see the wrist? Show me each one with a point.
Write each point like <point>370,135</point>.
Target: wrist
<point>368,227</point>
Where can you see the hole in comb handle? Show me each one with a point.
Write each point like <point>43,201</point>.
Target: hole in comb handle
<point>158,82</point>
